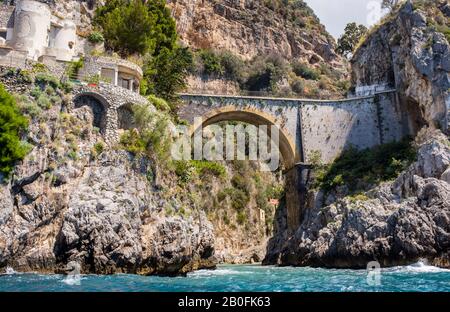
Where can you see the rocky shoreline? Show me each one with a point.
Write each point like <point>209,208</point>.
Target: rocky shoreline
<point>400,223</point>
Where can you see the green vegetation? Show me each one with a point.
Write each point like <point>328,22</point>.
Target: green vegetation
<point>166,72</point>
<point>44,79</point>
<point>147,30</point>
<point>96,37</point>
<point>99,147</point>
<point>264,73</point>
<point>211,63</point>
<point>303,70</point>
<point>150,137</point>
<point>160,104</point>
<point>128,26</point>
<point>74,67</point>
<point>185,170</point>
<point>359,169</point>
<point>349,40</point>
<point>219,64</point>
<point>12,125</point>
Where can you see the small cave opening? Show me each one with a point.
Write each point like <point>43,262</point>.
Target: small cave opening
<point>126,117</point>
<point>98,109</point>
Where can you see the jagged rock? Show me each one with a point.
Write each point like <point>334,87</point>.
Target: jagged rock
<point>404,221</point>
<point>100,220</point>
<point>446,176</point>
<point>6,203</point>
<point>248,28</point>
<point>406,54</point>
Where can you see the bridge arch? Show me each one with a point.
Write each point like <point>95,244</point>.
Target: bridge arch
<point>98,105</point>
<point>256,117</point>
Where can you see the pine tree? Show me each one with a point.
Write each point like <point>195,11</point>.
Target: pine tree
<point>12,124</point>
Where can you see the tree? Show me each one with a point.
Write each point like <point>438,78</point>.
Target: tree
<point>136,26</point>
<point>165,28</point>
<point>148,29</point>
<point>12,124</point>
<point>165,73</point>
<point>348,41</point>
<point>128,27</point>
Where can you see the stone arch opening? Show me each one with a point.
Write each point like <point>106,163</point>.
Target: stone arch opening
<point>126,117</point>
<point>294,176</point>
<point>287,148</point>
<point>98,106</point>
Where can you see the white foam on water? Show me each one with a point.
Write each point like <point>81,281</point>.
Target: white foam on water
<point>72,280</point>
<point>419,267</point>
<point>217,272</point>
<point>10,271</point>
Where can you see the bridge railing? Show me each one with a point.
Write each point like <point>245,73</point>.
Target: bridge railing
<point>266,94</point>
<point>246,93</point>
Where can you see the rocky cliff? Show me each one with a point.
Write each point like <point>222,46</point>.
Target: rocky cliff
<point>75,199</point>
<point>400,221</point>
<point>255,32</point>
<point>410,51</point>
<point>396,223</point>
<point>251,27</point>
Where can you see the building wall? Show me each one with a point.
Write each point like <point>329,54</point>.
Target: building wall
<point>63,41</point>
<point>31,25</point>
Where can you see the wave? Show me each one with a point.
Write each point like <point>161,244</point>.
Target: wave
<point>72,280</point>
<point>219,271</point>
<point>419,267</point>
<point>10,271</point>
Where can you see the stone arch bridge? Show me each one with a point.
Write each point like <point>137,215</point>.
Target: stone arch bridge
<point>308,129</point>
<point>111,106</point>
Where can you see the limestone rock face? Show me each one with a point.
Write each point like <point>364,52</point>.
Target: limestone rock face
<point>251,27</point>
<point>403,221</point>
<point>406,54</point>
<point>107,220</point>
<point>97,210</point>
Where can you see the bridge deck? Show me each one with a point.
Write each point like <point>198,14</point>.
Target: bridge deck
<point>285,99</point>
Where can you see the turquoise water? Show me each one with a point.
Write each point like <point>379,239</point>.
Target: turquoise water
<point>418,277</point>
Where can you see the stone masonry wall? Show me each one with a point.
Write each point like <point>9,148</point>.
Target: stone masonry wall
<point>330,127</point>
<point>112,97</point>
<point>316,126</point>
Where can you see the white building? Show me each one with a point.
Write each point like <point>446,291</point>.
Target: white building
<point>29,31</point>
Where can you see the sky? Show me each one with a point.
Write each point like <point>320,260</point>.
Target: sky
<point>335,14</point>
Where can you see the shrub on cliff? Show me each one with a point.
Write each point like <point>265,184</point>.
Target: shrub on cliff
<point>265,72</point>
<point>211,63</point>
<point>220,64</point>
<point>12,124</point>
<point>355,168</point>
<point>304,71</point>
<point>151,136</point>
